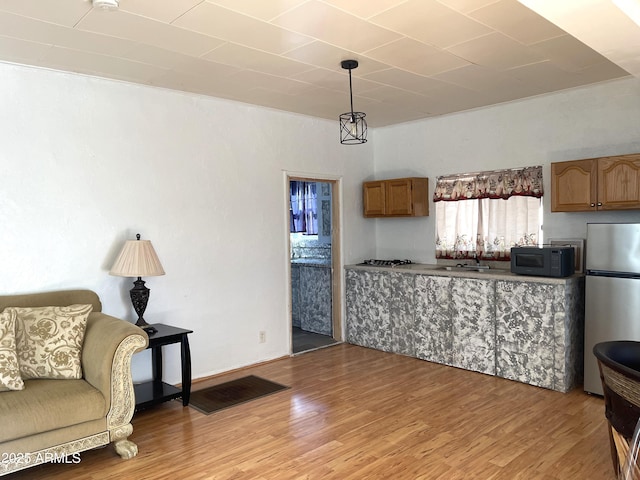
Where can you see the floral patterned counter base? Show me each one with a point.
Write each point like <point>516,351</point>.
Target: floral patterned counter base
<point>311,307</point>
<point>520,328</point>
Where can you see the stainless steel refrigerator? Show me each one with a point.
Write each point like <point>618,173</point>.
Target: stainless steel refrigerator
<point>612,291</point>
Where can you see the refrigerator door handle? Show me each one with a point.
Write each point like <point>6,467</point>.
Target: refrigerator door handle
<point>604,273</point>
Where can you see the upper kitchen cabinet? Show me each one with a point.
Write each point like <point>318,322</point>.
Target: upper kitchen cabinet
<point>607,183</point>
<point>400,197</point>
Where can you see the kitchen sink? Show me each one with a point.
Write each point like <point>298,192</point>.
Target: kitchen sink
<point>417,266</point>
<point>465,268</point>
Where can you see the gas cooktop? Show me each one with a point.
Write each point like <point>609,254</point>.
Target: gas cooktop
<point>385,263</point>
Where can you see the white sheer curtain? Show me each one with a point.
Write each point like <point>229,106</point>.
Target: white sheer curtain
<point>456,229</point>
<point>509,223</point>
<point>486,228</point>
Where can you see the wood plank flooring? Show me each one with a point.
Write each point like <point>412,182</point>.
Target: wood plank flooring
<point>356,413</point>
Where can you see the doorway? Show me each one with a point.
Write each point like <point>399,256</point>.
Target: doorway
<point>313,240</point>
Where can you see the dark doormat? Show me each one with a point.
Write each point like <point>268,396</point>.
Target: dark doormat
<point>234,392</point>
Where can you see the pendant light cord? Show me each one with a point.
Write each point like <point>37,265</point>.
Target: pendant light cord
<point>351,98</point>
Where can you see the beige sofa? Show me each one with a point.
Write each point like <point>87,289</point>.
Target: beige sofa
<point>51,419</point>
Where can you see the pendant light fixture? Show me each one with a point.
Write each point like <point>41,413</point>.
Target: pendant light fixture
<point>353,127</point>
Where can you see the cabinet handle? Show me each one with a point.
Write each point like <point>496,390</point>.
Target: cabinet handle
<point>599,204</point>
<point>593,204</point>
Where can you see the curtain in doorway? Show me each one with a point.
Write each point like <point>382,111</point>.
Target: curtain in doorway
<point>303,210</point>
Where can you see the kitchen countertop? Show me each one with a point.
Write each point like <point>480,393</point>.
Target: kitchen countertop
<point>442,270</point>
<point>312,262</point>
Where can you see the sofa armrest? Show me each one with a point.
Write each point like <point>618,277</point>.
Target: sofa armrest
<point>109,344</point>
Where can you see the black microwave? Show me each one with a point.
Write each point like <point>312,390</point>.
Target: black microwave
<point>543,261</point>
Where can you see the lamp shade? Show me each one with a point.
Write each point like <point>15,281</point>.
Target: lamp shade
<point>137,259</point>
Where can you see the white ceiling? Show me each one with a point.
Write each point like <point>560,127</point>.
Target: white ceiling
<point>418,58</point>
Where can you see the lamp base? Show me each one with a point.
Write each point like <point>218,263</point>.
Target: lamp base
<point>150,329</point>
<point>139,297</point>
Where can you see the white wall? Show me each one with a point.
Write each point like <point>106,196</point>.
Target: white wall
<point>87,163</point>
<point>580,123</point>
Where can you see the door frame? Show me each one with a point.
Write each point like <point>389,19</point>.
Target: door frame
<point>336,248</point>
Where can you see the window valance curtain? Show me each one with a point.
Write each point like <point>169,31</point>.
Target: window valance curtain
<point>526,182</point>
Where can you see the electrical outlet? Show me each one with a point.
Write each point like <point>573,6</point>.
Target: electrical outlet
<point>263,336</point>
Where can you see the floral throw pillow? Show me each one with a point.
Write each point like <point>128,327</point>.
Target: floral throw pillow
<point>9,372</point>
<point>49,341</point>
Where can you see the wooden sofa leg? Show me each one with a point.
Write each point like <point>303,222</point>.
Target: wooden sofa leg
<point>125,448</point>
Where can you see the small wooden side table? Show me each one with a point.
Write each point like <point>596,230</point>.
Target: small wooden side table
<point>156,391</point>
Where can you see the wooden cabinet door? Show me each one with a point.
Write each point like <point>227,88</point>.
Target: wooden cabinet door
<point>374,199</point>
<point>399,197</point>
<point>574,186</point>
<point>619,182</point>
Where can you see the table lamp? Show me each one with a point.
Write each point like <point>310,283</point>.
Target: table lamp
<point>138,259</point>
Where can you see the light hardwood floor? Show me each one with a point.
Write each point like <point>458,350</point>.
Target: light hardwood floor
<point>356,413</point>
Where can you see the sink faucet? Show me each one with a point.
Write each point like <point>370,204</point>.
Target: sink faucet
<point>481,267</point>
<point>477,265</point>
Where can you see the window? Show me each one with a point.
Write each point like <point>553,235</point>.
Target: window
<point>482,215</point>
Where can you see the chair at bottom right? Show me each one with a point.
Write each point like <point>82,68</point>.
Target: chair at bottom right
<point>619,363</point>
